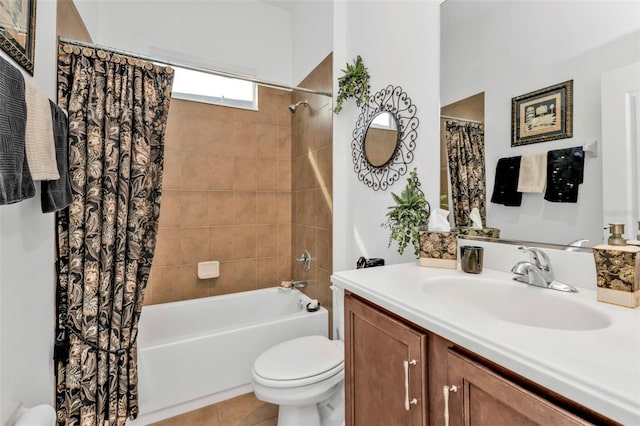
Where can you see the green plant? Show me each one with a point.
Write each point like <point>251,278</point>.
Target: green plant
<point>353,84</point>
<point>408,216</point>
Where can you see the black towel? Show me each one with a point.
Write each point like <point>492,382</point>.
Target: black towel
<point>565,173</point>
<point>505,188</point>
<point>15,180</point>
<point>56,194</point>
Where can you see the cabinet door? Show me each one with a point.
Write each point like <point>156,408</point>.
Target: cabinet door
<point>385,374</point>
<point>485,398</point>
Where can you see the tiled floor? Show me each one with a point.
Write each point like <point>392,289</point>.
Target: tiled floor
<point>244,410</point>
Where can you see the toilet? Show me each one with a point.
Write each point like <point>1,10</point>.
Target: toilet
<point>305,377</point>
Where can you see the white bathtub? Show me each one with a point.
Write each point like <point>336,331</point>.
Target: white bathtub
<point>199,352</point>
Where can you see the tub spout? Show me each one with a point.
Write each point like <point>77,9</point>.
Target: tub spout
<point>288,285</point>
<point>299,284</point>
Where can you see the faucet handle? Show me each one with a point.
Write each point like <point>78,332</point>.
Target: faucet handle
<point>538,256</point>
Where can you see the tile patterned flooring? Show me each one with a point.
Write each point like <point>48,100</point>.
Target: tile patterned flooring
<point>244,410</point>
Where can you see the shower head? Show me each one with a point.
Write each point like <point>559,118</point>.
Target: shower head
<point>294,107</point>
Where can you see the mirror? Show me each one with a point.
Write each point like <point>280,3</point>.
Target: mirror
<point>384,138</point>
<point>485,48</point>
<point>621,122</point>
<point>381,139</point>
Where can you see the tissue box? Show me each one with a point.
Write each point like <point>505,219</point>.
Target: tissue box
<point>618,271</point>
<point>438,249</point>
<point>486,232</point>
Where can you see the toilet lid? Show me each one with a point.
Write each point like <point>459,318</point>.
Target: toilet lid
<point>300,358</point>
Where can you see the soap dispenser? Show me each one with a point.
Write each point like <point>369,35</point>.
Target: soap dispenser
<point>616,239</point>
<point>618,270</point>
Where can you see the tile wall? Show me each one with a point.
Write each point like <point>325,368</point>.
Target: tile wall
<point>252,190</point>
<point>312,185</point>
<point>226,197</point>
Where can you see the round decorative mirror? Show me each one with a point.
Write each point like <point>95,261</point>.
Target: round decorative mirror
<point>384,138</point>
<point>381,139</point>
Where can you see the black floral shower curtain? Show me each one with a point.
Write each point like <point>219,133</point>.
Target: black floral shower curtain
<point>465,152</point>
<point>117,110</point>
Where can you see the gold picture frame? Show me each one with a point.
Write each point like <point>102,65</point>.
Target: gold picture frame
<point>18,31</point>
<point>543,115</point>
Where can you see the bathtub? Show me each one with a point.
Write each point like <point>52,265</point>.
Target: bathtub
<point>199,352</point>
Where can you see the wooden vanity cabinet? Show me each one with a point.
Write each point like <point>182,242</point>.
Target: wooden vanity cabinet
<point>385,372</point>
<point>377,343</point>
<point>484,398</point>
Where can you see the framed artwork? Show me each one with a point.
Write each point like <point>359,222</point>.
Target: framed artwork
<point>543,115</point>
<point>18,31</point>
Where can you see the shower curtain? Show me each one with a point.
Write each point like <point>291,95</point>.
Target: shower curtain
<point>117,109</point>
<point>465,153</point>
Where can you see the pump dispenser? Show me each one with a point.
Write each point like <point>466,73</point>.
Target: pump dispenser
<point>618,269</point>
<point>615,239</point>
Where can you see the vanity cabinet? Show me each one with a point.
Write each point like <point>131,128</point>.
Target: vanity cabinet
<point>377,344</point>
<point>385,372</point>
<point>484,398</point>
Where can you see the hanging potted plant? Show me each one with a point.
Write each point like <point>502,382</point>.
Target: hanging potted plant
<point>353,84</point>
<point>409,215</point>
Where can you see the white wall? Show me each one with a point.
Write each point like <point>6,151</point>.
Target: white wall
<point>312,36</point>
<point>245,37</point>
<point>26,264</point>
<point>399,43</point>
<point>507,49</point>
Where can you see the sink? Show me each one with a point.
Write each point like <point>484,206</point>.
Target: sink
<point>517,303</point>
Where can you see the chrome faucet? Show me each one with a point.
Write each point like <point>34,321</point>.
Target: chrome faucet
<point>578,243</point>
<point>538,271</point>
<point>574,245</point>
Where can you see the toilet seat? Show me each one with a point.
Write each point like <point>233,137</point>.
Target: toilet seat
<point>299,362</point>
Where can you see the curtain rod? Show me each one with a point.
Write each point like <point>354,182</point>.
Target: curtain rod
<point>192,67</point>
<point>461,119</point>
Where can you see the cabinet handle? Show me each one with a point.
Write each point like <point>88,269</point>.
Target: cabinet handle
<point>407,403</point>
<point>445,391</point>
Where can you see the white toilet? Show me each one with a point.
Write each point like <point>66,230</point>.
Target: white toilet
<point>305,377</point>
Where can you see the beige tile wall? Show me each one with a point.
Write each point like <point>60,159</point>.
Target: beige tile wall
<point>226,197</point>
<point>312,185</point>
<point>251,189</point>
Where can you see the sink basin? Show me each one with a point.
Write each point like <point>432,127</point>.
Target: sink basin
<point>517,303</point>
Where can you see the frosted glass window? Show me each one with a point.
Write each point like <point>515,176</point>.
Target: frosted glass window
<point>214,89</point>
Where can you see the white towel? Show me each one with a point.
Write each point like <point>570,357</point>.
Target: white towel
<point>39,143</point>
<point>533,173</point>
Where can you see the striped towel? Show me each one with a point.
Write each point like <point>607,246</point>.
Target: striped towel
<point>41,151</point>
<point>15,181</point>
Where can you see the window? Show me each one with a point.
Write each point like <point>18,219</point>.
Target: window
<point>214,89</point>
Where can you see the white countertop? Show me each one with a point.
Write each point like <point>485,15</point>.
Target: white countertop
<point>598,368</point>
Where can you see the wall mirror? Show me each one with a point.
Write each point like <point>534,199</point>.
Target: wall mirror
<point>381,139</point>
<point>384,138</point>
<point>482,52</point>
